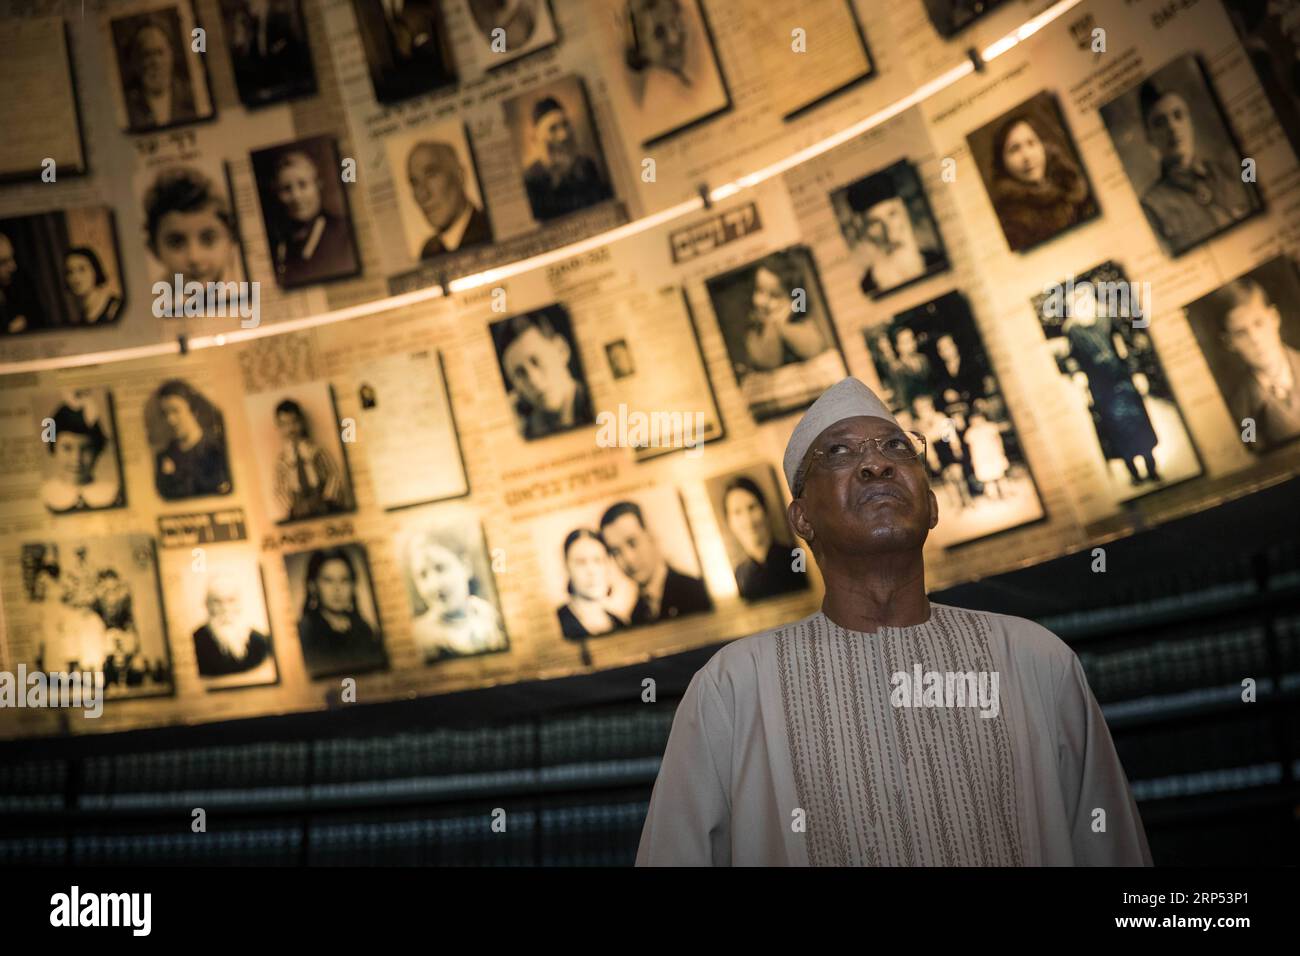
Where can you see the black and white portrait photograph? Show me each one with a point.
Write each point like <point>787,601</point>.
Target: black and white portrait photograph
<point>299,453</point>
<point>1110,369</point>
<point>1033,172</point>
<point>750,510</point>
<point>407,47</point>
<point>937,380</point>
<point>439,198</point>
<point>187,435</point>
<point>190,228</point>
<point>1180,155</point>
<point>83,465</point>
<point>619,563</point>
<point>619,357</point>
<point>162,81</point>
<point>338,619</point>
<point>59,270</point>
<point>950,17</point>
<point>509,29</point>
<point>667,67</point>
<point>305,212</point>
<point>778,331</point>
<point>889,229</point>
<point>558,148</point>
<point>1249,332</point>
<point>222,610</point>
<point>542,371</point>
<point>98,608</point>
<point>1270,32</point>
<point>268,50</point>
<point>455,610</point>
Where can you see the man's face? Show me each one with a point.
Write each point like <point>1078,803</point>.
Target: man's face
<point>747,520</point>
<point>874,506</point>
<point>298,188</point>
<point>223,603</point>
<point>196,245</point>
<point>633,548</point>
<point>661,32</point>
<point>153,59</point>
<point>905,342</point>
<point>334,586</point>
<point>8,264</point>
<point>1253,332</point>
<point>539,369</point>
<point>437,186</point>
<point>888,225</point>
<point>1169,128</point>
<point>947,348</point>
<point>555,142</point>
<point>289,426</point>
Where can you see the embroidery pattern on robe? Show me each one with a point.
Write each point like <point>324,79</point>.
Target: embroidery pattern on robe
<point>896,786</point>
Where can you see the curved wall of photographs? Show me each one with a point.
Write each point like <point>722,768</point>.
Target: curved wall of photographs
<point>1072,269</point>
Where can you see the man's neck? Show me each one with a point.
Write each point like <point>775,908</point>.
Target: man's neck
<point>866,593</point>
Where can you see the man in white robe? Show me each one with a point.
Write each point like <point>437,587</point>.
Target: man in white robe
<point>827,741</point>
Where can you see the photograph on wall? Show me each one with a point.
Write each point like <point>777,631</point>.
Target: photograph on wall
<point>187,435</point>
<point>1270,32</point>
<point>82,460</point>
<point>950,17</point>
<point>269,50</point>
<point>439,197</point>
<point>98,605</point>
<point>1109,367</point>
<point>891,233</point>
<point>407,431</point>
<point>666,67</point>
<point>1249,332</point>
<point>38,68</point>
<point>778,331</point>
<point>620,563</point>
<point>1033,173</point>
<point>545,384</point>
<point>750,511</point>
<point>509,29</point>
<point>407,47</point>
<point>558,148</point>
<point>222,610</point>
<point>305,212</point>
<point>59,270</point>
<point>455,608</point>
<point>190,227</point>
<point>299,453</point>
<point>332,594</point>
<point>937,380</point>
<point>161,80</point>
<point>1180,156</point>
<point>828,30</point>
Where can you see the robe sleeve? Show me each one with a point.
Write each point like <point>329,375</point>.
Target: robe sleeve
<point>1092,778</point>
<point>689,823</point>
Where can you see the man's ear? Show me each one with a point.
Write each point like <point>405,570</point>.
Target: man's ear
<point>798,519</point>
<point>934,508</point>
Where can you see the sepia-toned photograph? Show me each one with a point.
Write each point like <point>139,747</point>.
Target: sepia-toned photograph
<point>619,357</point>
<point>1109,367</point>
<point>620,563</point>
<point>269,50</point>
<point>59,270</point>
<point>750,511</point>
<point>669,68</point>
<point>98,607</point>
<point>223,611</point>
<point>1180,155</point>
<point>1249,332</point>
<point>1270,32</point>
<point>190,226</point>
<point>1033,172</point>
<point>162,82</point>
<point>509,29</point>
<point>187,435</point>
<point>950,17</point>
<point>305,212</point>
<point>542,371</point>
<point>439,197</point>
<point>83,464</point>
<point>889,229</point>
<point>299,453</point>
<point>37,55</point>
<point>778,331</point>
<point>937,380</point>
<point>407,47</point>
<point>338,620</point>
<point>558,148</point>
<point>455,609</point>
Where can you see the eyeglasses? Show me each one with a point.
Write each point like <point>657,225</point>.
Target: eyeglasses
<point>840,454</point>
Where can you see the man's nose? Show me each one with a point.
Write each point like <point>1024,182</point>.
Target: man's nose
<point>874,465</point>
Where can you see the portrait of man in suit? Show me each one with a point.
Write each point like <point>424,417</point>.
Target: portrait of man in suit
<point>155,77</point>
<point>406,47</point>
<point>438,184</point>
<point>664,593</point>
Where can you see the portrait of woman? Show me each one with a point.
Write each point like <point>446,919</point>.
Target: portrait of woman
<point>87,283</point>
<point>80,477</point>
<point>768,565</point>
<point>1033,173</point>
<point>336,637</point>
<point>452,617</point>
<point>308,482</point>
<point>188,437</point>
<point>587,612</point>
<point>777,334</point>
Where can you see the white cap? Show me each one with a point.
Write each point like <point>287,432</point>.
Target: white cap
<point>847,398</point>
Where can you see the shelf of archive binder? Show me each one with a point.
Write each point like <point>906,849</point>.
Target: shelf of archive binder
<point>1198,808</point>
<point>1201,704</point>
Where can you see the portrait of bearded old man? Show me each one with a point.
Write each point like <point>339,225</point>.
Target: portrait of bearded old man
<point>808,744</point>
